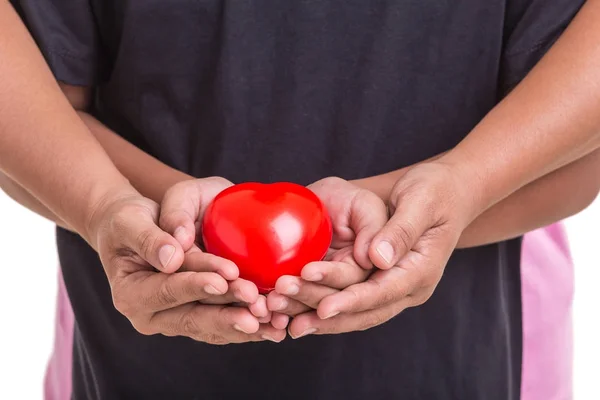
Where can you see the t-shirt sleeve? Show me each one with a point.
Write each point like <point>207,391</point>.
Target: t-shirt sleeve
<point>66,33</point>
<point>531,29</point>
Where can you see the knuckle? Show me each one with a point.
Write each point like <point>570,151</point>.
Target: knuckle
<point>147,241</point>
<point>189,325</point>
<point>402,234</point>
<point>191,288</point>
<point>421,297</point>
<point>166,294</point>
<point>122,305</point>
<point>333,180</point>
<point>401,291</point>
<point>357,298</point>
<point>179,189</point>
<point>172,219</point>
<point>429,280</point>
<point>143,329</point>
<point>332,183</point>
<point>367,197</point>
<point>400,286</point>
<point>384,295</point>
<point>218,181</point>
<point>214,338</point>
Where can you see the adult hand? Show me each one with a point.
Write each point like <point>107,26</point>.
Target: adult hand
<point>182,211</point>
<point>132,248</point>
<point>430,208</point>
<point>357,216</point>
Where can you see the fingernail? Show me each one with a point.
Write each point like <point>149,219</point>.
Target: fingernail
<point>267,337</point>
<point>292,290</point>
<point>210,289</point>
<point>180,234</point>
<point>306,332</point>
<point>331,314</point>
<point>165,254</point>
<point>283,303</point>
<point>315,277</point>
<point>239,329</point>
<point>386,251</point>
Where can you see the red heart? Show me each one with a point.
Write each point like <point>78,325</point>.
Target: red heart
<point>267,230</point>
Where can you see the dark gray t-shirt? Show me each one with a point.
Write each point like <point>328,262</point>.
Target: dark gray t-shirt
<point>271,90</point>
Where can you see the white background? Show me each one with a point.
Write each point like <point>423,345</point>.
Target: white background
<point>29,281</point>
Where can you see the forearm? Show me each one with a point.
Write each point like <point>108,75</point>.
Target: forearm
<point>44,145</point>
<point>554,197</point>
<point>149,176</point>
<point>549,199</point>
<point>547,121</point>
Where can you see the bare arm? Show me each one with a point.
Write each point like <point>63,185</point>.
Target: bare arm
<point>44,145</point>
<point>148,175</point>
<point>549,120</point>
<point>552,197</point>
<point>135,164</point>
<point>556,196</point>
<point>533,159</point>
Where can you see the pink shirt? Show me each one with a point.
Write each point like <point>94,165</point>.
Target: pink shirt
<point>547,292</point>
<point>57,382</point>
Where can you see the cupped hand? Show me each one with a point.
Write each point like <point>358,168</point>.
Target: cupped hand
<point>430,207</point>
<point>141,260</point>
<point>182,211</point>
<point>357,216</point>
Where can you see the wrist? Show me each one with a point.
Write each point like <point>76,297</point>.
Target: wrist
<point>469,178</point>
<point>443,188</point>
<point>101,199</point>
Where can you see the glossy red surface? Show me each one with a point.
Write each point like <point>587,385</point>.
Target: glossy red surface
<point>268,230</point>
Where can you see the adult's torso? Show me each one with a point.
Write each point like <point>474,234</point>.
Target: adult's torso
<point>298,90</point>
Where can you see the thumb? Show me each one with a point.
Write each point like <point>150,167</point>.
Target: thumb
<point>151,243</point>
<point>368,215</point>
<point>400,234</point>
<point>184,204</point>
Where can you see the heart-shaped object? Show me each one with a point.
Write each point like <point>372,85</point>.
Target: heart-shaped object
<point>267,230</point>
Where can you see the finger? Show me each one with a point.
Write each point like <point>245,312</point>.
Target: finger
<point>240,291</point>
<point>148,291</point>
<point>281,304</point>
<point>259,308</point>
<point>279,321</point>
<point>244,291</point>
<point>408,223</point>
<point>334,274</point>
<point>333,192</point>
<point>300,290</point>
<point>268,332</point>
<point>199,261</point>
<point>381,289</point>
<point>185,203</point>
<point>311,324</point>
<point>265,320</point>
<point>368,216</point>
<point>138,232</point>
<point>213,324</point>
